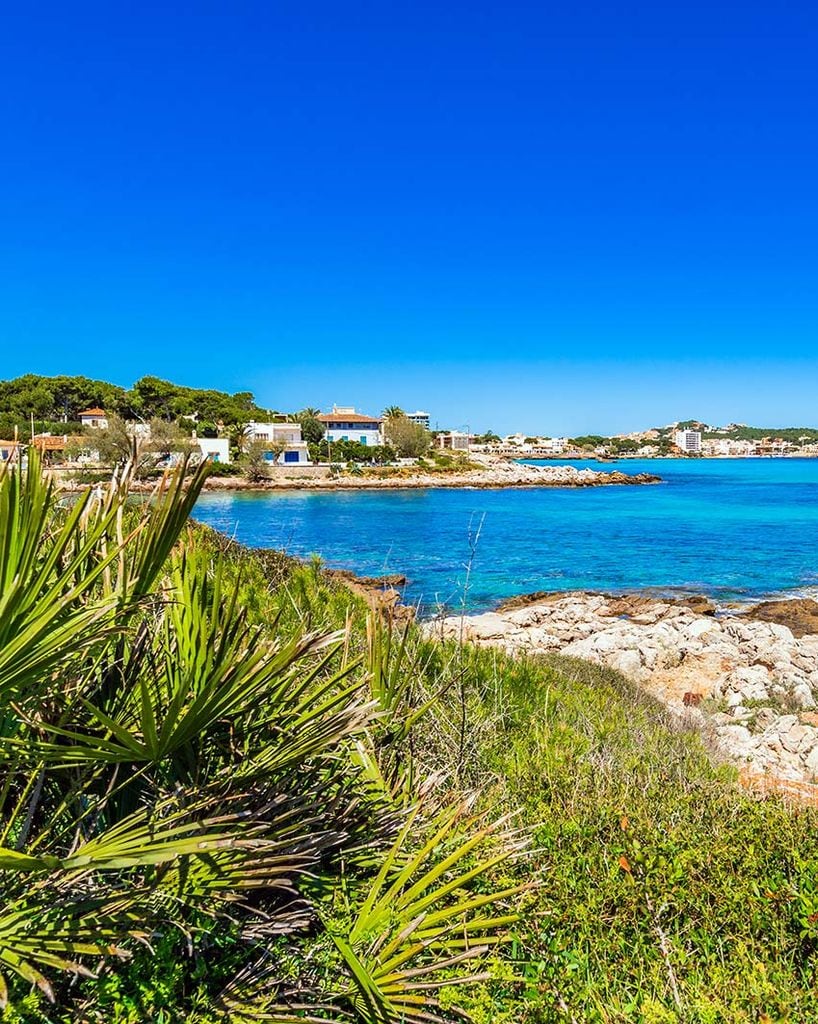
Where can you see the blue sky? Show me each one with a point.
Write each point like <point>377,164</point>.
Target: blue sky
<point>556,217</point>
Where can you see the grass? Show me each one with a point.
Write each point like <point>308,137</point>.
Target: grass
<point>664,893</point>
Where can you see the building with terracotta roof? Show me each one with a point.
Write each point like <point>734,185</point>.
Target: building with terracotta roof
<point>344,423</point>
<point>96,418</point>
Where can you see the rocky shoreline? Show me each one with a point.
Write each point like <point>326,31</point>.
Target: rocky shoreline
<point>746,678</point>
<point>497,474</point>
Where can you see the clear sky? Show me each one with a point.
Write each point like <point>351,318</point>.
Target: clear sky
<point>558,217</point>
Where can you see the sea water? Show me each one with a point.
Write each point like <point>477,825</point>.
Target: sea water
<point>735,529</point>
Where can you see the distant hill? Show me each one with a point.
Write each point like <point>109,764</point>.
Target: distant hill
<point>743,432</point>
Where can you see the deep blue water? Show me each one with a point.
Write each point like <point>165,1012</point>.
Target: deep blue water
<point>735,529</point>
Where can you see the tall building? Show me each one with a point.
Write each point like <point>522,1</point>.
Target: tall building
<point>421,418</point>
<point>689,441</point>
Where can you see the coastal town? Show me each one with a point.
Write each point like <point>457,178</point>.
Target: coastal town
<point>167,422</point>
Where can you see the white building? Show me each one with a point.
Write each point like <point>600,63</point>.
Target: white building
<point>217,449</point>
<point>421,418</point>
<point>553,445</point>
<point>727,447</point>
<point>689,441</point>
<point>457,440</point>
<point>96,418</point>
<point>344,423</point>
<point>9,451</point>
<point>287,448</point>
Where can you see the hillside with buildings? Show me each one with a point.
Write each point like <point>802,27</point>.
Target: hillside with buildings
<point>79,422</point>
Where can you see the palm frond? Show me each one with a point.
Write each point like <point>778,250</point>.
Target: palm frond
<point>428,912</point>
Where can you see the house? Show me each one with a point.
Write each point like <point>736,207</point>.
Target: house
<point>345,424</point>
<point>51,447</point>
<point>421,418</point>
<point>456,440</point>
<point>216,449</point>
<point>553,445</point>
<point>727,447</point>
<point>287,447</point>
<point>95,418</point>
<point>9,451</point>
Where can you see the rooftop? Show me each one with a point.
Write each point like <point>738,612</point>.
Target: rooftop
<point>91,412</point>
<point>347,417</point>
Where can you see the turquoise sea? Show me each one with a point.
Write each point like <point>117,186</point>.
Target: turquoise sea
<point>736,529</point>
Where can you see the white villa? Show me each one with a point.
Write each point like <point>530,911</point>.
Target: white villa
<point>96,418</point>
<point>344,423</point>
<point>552,445</point>
<point>456,440</point>
<point>217,449</point>
<point>9,451</point>
<point>294,452</point>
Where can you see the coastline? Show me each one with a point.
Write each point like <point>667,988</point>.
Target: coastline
<point>745,678</point>
<point>506,475</point>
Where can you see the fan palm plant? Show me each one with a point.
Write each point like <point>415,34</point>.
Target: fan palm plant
<point>166,762</point>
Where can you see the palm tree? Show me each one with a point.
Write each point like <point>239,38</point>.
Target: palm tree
<point>169,764</point>
<point>393,412</point>
<point>241,436</point>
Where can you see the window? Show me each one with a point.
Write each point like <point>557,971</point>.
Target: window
<point>291,456</point>
<point>363,438</point>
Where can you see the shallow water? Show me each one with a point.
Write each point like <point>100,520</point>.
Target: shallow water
<point>735,529</point>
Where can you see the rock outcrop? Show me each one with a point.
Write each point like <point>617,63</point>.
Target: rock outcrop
<point>751,684</point>
<point>798,614</point>
<point>490,475</point>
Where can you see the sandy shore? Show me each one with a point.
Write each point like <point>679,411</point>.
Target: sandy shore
<point>747,678</point>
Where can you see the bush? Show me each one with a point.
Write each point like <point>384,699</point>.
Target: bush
<point>227,469</point>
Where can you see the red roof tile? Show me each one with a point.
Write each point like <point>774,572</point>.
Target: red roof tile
<point>347,417</point>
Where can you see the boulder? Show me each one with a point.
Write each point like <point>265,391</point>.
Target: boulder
<point>799,614</point>
<point>811,763</point>
<point>749,682</point>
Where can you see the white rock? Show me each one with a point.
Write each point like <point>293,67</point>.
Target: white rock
<point>751,682</point>
<point>802,695</point>
<point>811,763</point>
<point>701,627</point>
<point>626,662</point>
<point>796,737</point>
